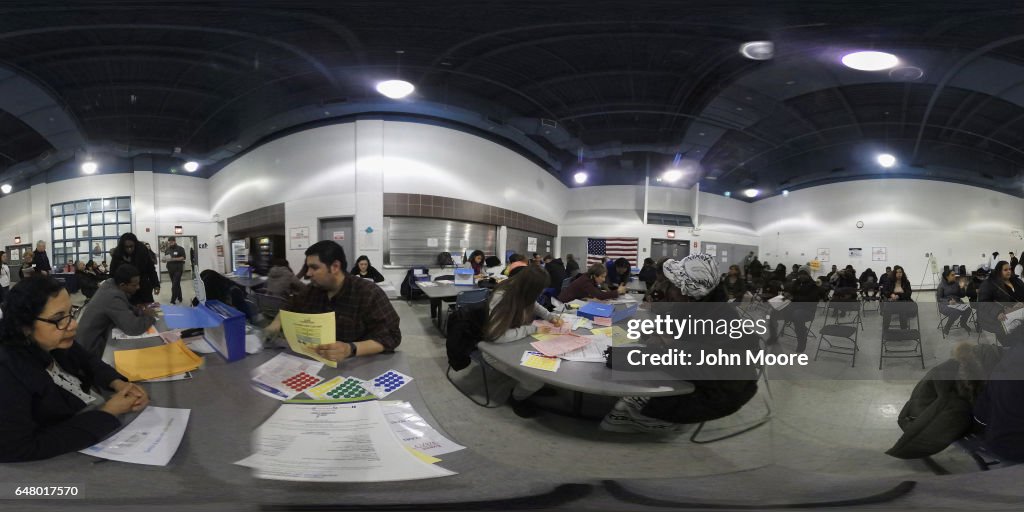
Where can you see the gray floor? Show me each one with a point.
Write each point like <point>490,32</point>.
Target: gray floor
<point>840,425</point>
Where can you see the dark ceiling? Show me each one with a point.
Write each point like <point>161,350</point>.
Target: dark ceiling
<point>625,85</point>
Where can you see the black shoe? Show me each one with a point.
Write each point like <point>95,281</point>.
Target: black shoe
<point>523,408</point>
<point>946,327</point>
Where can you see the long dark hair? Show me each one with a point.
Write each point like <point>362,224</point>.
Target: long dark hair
<point>520,293</point>
<point>905,282</point>
<point>369,266</point>
<point>22,304</point>
<point>997,273</point>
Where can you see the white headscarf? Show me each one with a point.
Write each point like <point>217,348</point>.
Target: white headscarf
<point>696,275</point>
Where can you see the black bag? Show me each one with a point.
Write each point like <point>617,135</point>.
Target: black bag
<point>407,291</point>
<point>465,330</point>
<point>444,259</point>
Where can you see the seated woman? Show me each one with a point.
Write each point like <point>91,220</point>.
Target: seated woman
<point>896,289</point>
<point>88,282</point>
<point>734,285</point>
<point>513,308</point>
<point>947,295</point>
<point>803,292</point>
<point>695,279</point>
<point>845,285</point>
<point>48,383</point>
<point>869,285</point>
<point>281,281</point>
<point>1000,294</point>
<point>588,286</point>
<point>363,269</point>
<point>476,262</point>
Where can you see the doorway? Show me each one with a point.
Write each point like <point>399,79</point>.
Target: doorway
<point>14,253</point>
<point>341,231</point>
<point>667,248</point>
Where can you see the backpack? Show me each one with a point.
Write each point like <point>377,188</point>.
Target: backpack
<point>465,329</point>
<point>444,259</point>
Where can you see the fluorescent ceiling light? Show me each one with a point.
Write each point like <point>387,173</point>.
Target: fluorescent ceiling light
<point>886,160</point>
<point>5,188</point>
<point>785,193</point>
<point>89,167</point>
<point>758,50</point>
<point>870,61</point>
<point>672,175</point>
<point>395,89</point>
<point>751,192</point>
<point>191,166</point>
<point>580,177</point>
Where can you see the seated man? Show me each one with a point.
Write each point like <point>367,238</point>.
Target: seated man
<point>365,321</point>
<point>110,308</point>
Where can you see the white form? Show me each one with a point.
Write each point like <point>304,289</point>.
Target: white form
<point>151,438</point>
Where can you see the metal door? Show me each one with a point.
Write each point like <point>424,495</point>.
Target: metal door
<point>667,248</point>
<point>14,253</point>
<point>341,230</point>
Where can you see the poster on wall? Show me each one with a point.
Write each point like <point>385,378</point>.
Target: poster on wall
<point>878,254</point>
<point>855,252</point>
<point>369,240</point>
<point>531,244</point>
<point>298,238</point>
<point>339,236</point>
<point>431,242</point>
<point>711,250</point>
<point>823,255</point>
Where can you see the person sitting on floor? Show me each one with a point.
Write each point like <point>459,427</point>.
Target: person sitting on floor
<point>364,270</point>
<point>588,286</point>
<point>49,385</point>
<point>513,308</point>
<point>365,322</point>
<point>110,308</point>
<point>697,279</point>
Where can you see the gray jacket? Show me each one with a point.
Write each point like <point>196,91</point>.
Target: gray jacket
<point>109,308</point>
<point>946,291</point>
<point>518,333</point>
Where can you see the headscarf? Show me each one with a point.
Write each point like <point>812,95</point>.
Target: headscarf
<point>695,275</point>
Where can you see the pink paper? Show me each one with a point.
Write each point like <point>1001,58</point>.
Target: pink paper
<point>564,329</point>
<point>559,345</point>
<point>602,320</point>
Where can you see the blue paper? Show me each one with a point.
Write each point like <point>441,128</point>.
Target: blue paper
<point>181,317</point>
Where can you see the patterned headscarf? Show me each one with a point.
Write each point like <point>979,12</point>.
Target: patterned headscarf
<point>696,275</point>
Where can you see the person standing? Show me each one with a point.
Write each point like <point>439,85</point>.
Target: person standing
<point>175,267</point>
<point>5,276</point>
<point>130,250</point>
<point>40,261</point>
<point>1013,265</point>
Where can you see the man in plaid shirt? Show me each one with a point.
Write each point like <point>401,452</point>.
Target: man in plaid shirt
<point>365,321</point>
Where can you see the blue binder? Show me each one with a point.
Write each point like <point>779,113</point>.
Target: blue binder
<point>223,326</point>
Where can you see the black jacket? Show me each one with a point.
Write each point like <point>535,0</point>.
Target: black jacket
<point>465,330</point>
<point>41,262</point>
<point>556,271</point>
<point>890,285</point>
<point>142,259</point>
<point>572,267</point>
<point>804,294</point>
<point>371,273</point>
<point>40,419</point>
<point>648,274</point>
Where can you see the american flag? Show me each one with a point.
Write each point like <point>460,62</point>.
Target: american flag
<point>613,248</point>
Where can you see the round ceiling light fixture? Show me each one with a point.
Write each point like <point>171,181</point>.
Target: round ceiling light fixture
<point>395,89</point>
<point>870,61</point>
<point>191,166</point>
<point>5,188</point>
<point>90,167</point>
<point>751,192</point>
<point>886,160</point>
<point>580,177</point>
<point>785,193</point>
<point>758,50</point>
<point>672,175</point>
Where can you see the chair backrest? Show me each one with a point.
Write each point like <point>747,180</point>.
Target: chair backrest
<point>907,308</point>
<point>833,307</point>
<point>472,299</point>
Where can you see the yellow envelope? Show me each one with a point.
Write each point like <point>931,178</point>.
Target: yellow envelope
<point>156,362</point>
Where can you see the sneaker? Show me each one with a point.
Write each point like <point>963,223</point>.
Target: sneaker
<point>635,402</point>
<point>631,421</point>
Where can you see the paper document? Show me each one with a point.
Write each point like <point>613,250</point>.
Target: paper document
<point>304,331</point>
<point>151,438</point>
<point>566,327</point>
<point>334,443</point>
<point>1013,320</point>
<point>155,362</point>
<point>118,334</point>
<point>960,306</point>
<point>592,352</point>
<point>620,337</point>
<point>539,361</point>
<point>415,432</point>
<point>559,345</point>
<point>172,378</point>
<point>602,321</point>
<point>285,376</point>
<point>340,389</point>
<point>778,302</point>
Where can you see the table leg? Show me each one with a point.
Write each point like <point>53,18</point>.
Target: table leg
<point>577,403</point>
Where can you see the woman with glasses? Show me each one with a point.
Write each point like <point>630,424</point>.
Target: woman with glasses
<point>50,386</point>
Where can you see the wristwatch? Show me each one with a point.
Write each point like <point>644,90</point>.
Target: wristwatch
<point>352,346</point>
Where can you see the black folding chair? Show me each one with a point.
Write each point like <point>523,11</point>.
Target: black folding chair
<point>474,301</point>
<point>840,329</point>
<point>895,341</point>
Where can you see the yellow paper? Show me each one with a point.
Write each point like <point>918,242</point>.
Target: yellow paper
<point>304,331</point>
<point>603,331</point>
<point>156,362</point>
<point>620,337</point>
<point>422,456</point>
<point>542,337</point>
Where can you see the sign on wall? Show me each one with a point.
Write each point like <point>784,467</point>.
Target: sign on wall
<point>878,254</point>
<point>855,252</point>
<point>531,244</point>
<point>823,255</point>
<point>298,238</point>
<point>338,236</point>
<point>711,250</point>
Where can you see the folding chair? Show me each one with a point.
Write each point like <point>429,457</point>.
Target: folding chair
<point>839,329</point>
<point>938,311</point>
<point>473,301</point>
<point>900,337</point>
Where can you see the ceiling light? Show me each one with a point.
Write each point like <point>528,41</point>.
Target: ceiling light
<point>395,89</point>
<point>89,167</point>
<point>870,61</point>
<point>785,193</point>
<point>580,177</point>
<point>886,160</point>
<point>758,50</point>
<point>672,175</point>
<point>5,188</point>
<point>728,194</point>
<point>751,192</point>
<point>191,166</point>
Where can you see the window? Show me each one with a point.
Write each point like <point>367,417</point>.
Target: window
<point>88,229</point>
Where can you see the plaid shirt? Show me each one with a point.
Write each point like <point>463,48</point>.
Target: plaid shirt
<point>362,311</point>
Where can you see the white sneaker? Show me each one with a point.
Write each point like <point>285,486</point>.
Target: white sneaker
<point>630,420</point>
<point>634,402</point>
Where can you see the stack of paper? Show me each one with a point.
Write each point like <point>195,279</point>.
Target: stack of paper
<point>118,334</point>
<point>415,432</point>
<point>778,302</point>
<point>539,361</point>
<point>576,304</point>
<point>334,443</point>
<point>156,362</point>
<point>554,347</point>
<point>152,438</point>
<point>592,352</point>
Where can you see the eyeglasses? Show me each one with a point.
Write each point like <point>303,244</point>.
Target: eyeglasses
<point>63,322</point>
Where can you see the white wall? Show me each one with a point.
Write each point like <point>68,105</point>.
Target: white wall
<point>184,201</point>
<point>908,217</point>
